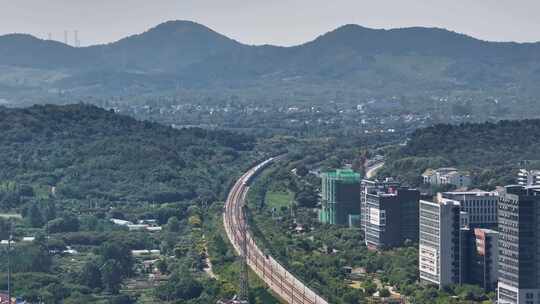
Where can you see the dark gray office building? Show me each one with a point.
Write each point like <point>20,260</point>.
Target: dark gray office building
<point>390,215</point>
<point>480,257</point>
<point>369,188</point>
<point>481,206</point>
<point>519,242</point>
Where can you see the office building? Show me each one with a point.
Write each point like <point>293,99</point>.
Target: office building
<point>528,177</point>
<point>340,198</point>
<point>481,206</point>
<point>390,215</point>
<point>519,241</point>
<point>455,245</point>
<point>440,242</point>
<point>369,187</point>
<point>480,260</point>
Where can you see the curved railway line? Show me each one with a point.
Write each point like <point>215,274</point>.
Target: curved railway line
<point>280,281</point>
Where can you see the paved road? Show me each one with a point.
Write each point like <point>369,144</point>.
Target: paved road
<point>371,171</point>
<point>280,281</point>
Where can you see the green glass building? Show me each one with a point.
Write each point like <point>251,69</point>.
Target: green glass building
<point>340,198</point>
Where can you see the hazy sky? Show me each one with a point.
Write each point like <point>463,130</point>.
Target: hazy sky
<point>281,22</point>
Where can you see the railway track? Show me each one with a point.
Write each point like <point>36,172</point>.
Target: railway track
<point>279,280</point>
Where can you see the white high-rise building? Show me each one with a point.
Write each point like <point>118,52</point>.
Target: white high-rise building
<point>440,242</point>
<point>528,177</point>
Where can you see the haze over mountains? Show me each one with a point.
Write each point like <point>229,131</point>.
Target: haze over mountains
<point>190,55</point>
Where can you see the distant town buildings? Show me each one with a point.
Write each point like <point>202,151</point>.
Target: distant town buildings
<point>440,242</point>
<point>519,244</point>
<point>389,214</point>
<point>340,198</point>
<point>447,176</point>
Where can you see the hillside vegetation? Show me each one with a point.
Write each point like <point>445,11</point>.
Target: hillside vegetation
<point>492,151</point>
<point>349,61</point>
<point>84,152</point>
<point>66,171</point>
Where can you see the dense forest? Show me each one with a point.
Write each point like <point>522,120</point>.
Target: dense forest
<point>84,152</point>
<point>491,151</point>
<point>66,171</point>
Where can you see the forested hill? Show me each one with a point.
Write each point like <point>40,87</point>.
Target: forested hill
<point>354,58</point>
<point>87,152</point>
<point>491,150</point>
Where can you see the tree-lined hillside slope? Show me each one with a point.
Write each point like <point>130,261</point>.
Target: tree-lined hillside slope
<point>492,151</point>
<point>84,152</point>
<point>354,58</point>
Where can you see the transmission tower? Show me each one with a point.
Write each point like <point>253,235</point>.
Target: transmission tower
<point>244,286</point>
<point>10,239</point>
<point>76,38</point>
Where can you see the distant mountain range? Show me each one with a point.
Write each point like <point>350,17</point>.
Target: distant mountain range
<point>190,55</point>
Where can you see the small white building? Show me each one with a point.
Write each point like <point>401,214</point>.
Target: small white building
<point>154,229</point>
<point>447,176</point>
<point>151,222</point>
<point>144,252</point>
<point>143,225</point>
<point>137,227</point>
<point>121,222</point>
<point>439,245</point>
<point>70,250</point>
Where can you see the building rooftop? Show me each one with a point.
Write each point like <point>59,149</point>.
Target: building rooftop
<point>487,231</point>
<point>344,175</point>
<point>440,200</point>
<point>476,192</point>
<point>522,190</point>
<point>444,171</point>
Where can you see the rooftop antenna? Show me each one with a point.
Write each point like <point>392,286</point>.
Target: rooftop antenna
<point>525,164</point>
<point>49,36</point>
<point>66,37</point>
